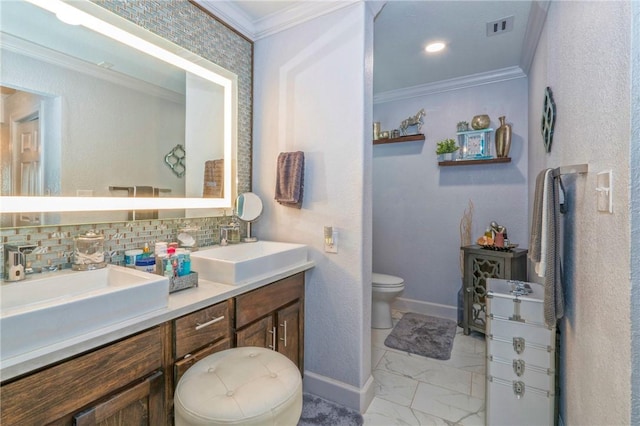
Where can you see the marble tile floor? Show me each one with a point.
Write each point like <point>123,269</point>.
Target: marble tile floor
<point>415,390</point>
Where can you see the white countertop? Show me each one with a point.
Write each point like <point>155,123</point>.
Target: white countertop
<point>180,303</point>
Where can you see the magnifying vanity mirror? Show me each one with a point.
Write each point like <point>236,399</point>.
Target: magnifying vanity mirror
<point>248,209</point>
<point>107,116</point>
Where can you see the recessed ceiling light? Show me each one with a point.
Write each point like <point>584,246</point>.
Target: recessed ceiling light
<point>435,47</point>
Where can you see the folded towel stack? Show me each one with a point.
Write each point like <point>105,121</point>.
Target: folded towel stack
<point>544,245</point>
<point>213,179</point>
<point>290,179</point>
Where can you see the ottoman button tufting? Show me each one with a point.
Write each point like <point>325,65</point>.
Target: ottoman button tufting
<point>243,376</point>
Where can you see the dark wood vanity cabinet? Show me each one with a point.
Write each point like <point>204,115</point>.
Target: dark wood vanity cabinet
<point>273,317</point>
<point>117,384</point>
<point>132,381</point>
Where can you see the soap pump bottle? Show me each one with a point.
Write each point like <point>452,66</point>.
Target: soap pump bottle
<point>234,231</point>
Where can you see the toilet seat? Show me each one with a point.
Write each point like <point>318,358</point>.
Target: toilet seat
<point>386,281</point>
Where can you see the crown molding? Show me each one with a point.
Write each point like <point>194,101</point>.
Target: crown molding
<point>535,25</point>
<point>231,14</point>
<point>457,83</point>
<point>271,24</point>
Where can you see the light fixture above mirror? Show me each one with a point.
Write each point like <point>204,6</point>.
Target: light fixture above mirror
<point>98,19</point>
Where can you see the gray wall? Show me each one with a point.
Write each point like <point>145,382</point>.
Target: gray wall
<point>417,205</point>
<point>303,102</point>
<point>584,56</point>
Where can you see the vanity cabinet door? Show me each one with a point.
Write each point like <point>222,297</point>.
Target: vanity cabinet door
<point>261,333</point>
<point>140,404</point>
<point>273,317</point>
<point>57,393</point>
<point>291,333</point>
<point>183,365</point>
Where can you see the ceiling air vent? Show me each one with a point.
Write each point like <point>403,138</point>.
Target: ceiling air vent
<point>500,26</point>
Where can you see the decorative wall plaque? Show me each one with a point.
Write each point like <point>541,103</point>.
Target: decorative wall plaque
<point>548,119</point>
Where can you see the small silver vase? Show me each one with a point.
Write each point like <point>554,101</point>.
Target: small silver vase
<point>503,138</point>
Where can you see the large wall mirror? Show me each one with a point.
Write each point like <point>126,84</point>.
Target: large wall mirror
<point>102,120</point>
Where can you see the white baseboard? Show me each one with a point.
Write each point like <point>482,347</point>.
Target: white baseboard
<point>339,392</point>
<point>426,308</point>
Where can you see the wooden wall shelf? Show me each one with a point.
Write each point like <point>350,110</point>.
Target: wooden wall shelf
<point>474,162</point>
<point>409,138</point>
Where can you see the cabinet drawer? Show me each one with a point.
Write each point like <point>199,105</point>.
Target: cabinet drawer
<point>532,353</point>
<point>532,333</point>
<point>263,301</point>
<point>518,369</point>
<point>513,403</point>
<point>201,328</point>
<point>183,365</point>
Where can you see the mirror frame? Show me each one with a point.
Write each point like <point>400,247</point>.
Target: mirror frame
<point>102,20</point>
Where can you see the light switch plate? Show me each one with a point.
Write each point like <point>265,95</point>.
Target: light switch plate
<point>604,188</point>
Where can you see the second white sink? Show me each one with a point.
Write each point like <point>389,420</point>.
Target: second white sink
<point>235,264</point>
<point>56,306</point>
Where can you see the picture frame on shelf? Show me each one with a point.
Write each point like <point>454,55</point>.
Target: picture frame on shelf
<point>475,145</point>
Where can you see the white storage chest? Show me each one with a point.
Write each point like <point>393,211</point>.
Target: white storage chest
<point>521,356</point>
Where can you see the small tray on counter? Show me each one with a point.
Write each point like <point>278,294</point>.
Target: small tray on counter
<point>183,282</point>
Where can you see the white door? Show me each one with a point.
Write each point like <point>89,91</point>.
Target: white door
<point>29,166</point>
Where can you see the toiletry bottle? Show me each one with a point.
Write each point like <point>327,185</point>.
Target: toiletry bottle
<point>168,270</point>
<point>234,232</point>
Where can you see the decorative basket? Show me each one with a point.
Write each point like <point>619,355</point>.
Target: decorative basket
<point>183,282</point>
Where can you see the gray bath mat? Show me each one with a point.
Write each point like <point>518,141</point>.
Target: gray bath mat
<point>423,335</point>
<point>318,411</point>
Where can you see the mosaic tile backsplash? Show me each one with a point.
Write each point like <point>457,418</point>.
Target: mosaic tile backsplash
<point>183,23</point>
<point>55,243</point>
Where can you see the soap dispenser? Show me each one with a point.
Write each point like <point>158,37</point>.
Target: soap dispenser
<point>16,269</point>
<point>234,230</point>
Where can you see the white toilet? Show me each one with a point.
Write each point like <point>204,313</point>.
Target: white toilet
<point>385,288</point>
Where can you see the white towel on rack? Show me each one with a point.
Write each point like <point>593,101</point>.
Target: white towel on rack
<point>544,245</point>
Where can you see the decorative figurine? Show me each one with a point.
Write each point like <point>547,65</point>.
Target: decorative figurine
<point>416,120</point>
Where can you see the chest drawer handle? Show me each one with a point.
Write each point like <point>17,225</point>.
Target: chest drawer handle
<point>213,321</point>
<point>518,345</point>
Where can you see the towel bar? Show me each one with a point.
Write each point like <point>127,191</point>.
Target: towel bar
<point>567,170</point>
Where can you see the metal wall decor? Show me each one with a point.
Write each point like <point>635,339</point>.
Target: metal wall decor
<point>416,120</point>
<point>548,119</point>
<point>175,160</point>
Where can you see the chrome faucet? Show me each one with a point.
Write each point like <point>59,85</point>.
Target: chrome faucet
<point>15,257</point>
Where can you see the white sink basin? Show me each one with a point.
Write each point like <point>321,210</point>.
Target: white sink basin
<point>42,311</point>
<point>235,264</point>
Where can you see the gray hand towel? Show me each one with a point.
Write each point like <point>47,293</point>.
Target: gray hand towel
<point>553,293</point>
<point>290,179</point>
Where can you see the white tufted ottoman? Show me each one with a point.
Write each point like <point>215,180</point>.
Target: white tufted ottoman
<point>240,386</point>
